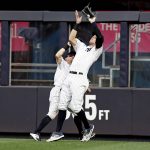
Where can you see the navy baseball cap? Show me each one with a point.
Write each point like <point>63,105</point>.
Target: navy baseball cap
<point>71,53</point>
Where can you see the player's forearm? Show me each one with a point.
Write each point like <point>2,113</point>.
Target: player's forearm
<point>100,38</point>
<point>60,53</point>
<point>62,50</point>
<point>72,36</point>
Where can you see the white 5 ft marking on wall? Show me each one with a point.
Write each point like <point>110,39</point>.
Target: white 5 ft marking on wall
<point>103,114</point>
<point>90,104</point>
<point>91,109</point>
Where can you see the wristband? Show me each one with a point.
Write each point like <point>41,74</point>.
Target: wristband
<point>76,27</point>
<point>66,46</point>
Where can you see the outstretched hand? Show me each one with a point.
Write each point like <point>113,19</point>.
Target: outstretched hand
<point>91,20</point>
<point>78,18</point>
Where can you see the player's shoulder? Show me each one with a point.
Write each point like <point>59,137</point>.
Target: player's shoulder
<point>81,43</point>
<point>65,63</point>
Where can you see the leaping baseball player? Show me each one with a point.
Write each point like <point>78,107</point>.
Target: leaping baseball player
<point>76,83</point>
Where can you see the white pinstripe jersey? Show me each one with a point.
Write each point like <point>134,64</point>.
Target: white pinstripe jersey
<point>61,73</point>
<point>85,57</point>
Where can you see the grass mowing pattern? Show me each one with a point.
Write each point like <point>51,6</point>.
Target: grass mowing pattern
<point>29,144</point>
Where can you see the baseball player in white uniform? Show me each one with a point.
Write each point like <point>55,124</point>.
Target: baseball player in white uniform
<point>76,83</point>
<point>61,73</point>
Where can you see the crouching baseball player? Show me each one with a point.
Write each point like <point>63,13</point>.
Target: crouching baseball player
<point>61,73</point>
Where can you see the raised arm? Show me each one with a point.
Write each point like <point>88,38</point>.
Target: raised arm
<point>73,34</point>
<point>96,31</point>
<point>60,53</point>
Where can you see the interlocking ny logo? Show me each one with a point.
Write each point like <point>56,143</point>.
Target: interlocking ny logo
<point>88,49</point>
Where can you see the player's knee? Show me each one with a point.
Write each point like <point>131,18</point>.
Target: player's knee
<point>62,107</point>
<point>52,115</point>
<point>74,109</point>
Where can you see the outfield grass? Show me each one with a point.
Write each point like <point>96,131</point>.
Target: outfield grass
<point>29,144</point>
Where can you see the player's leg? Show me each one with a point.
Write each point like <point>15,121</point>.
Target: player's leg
<point>88,132</point>
<point>79,126</point>
<point>83,118</point>
<point>53,111</point>
<point>36,134</point>
<point>65,97</point>
<point>78,90</point>
<point>63,104</point>
<point>76,103</point>
<point>58,134</point>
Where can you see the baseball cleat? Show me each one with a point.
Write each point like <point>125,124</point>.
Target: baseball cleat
<point>93,135</point>
<point>55,136</point>
<point>36,137</point>
<point>88,134</point>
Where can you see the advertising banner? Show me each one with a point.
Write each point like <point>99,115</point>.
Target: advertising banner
<point>139,36</point>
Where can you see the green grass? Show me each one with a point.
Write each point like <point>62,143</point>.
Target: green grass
<point>29,144</point>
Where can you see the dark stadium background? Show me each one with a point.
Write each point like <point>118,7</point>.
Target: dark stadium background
<point>71,5</point>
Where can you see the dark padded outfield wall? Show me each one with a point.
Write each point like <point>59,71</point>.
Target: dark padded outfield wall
<point>17,109</point>
<point>113,115</point>
<point>108,109</point>
<point>141,112</point>
<point>113,111</point>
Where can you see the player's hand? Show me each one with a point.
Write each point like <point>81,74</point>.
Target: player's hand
<point>78,18</point>
<point>91,20</point>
